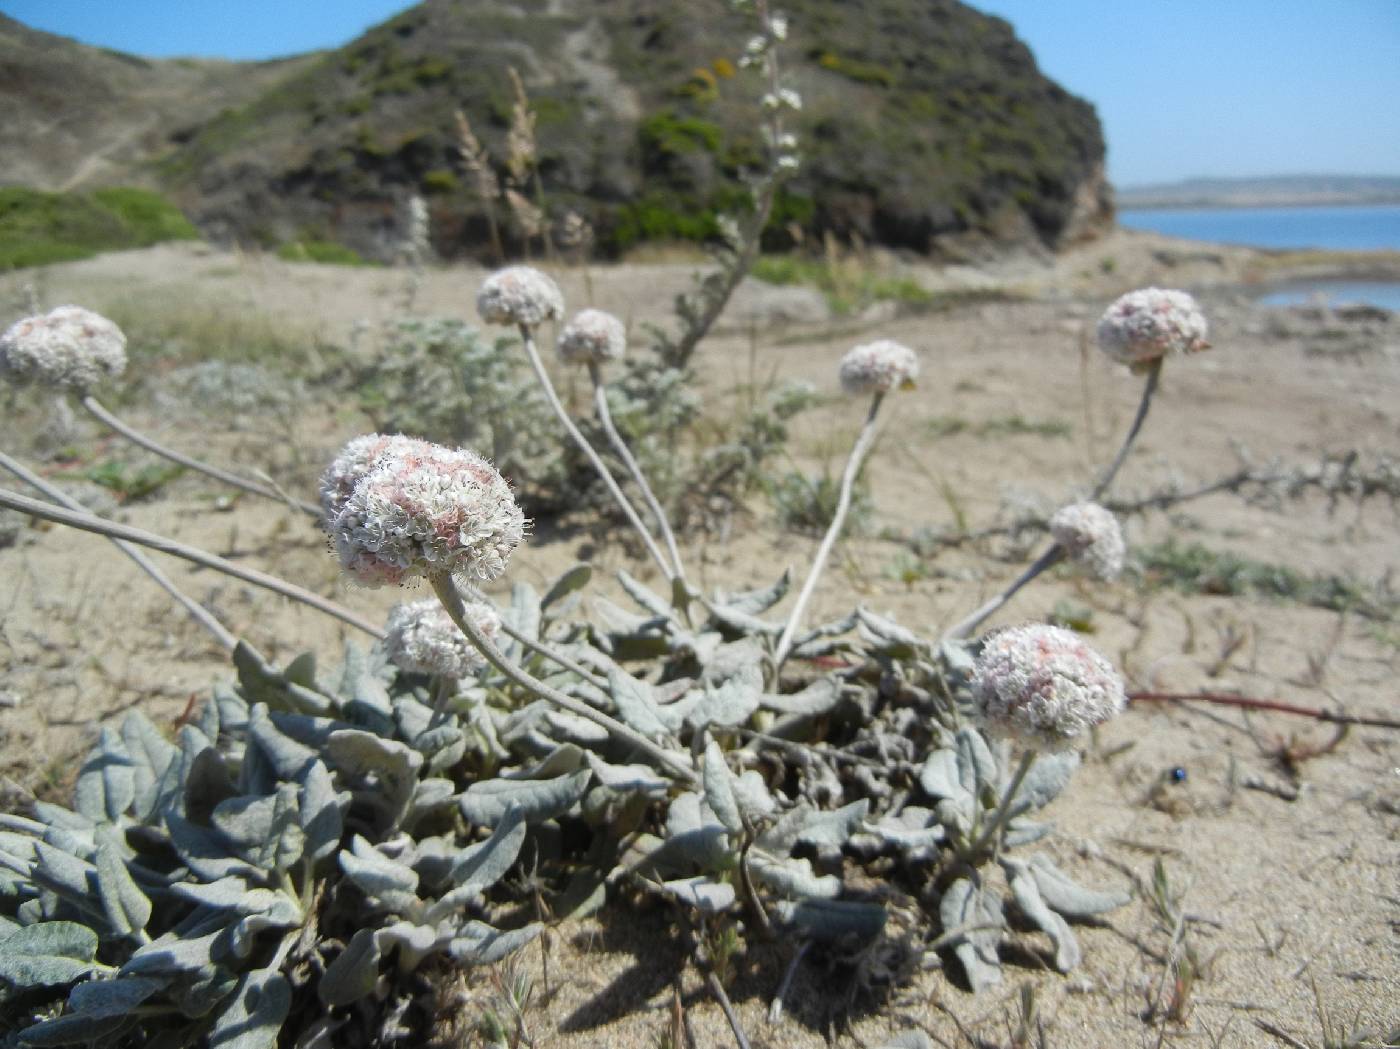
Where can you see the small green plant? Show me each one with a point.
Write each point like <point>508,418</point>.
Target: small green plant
<point>323,251</point>
<point>38,227</point>
<point>133,483</point>
<point>806,503</point>
<point>1002,426</point>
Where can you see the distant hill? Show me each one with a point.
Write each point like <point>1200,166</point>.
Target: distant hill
<point>1279,191</point>
<point>926,125</point>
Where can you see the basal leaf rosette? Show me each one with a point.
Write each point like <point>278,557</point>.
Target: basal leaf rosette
<point>1149,324</point>
<point>519,295</point>
<point>592,337</point>
<point>421,638</point>
<point>425,510</point>
<point>1090,535</point>
<point>879,367</point>
<point>69,348</point>
<point>1043,686</point>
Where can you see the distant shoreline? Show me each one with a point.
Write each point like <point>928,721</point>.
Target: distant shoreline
<point>1145,203</point>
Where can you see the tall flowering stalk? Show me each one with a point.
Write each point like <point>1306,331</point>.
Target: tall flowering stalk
<point>71,350</point>
<point>1140,329</point>
<point>593,338</point>
<point>526,298</point>
<point>875,368</point>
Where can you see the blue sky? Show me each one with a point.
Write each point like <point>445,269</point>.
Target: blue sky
<point>1183,87</point>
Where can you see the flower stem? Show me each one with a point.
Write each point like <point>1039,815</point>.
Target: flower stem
<point>198,612</point>
<point>972,622</point>
<point>1154,374</point>
<point>95,408</point>
<point>446,591</point>
<point>102,526</point>
<point>1004,809</point>
<point>600,400</point>
<point>843,504</point>
<point>593,457</point>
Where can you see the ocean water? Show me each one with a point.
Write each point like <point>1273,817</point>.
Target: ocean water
<point>1342,228</point>
<point>1368,227</point>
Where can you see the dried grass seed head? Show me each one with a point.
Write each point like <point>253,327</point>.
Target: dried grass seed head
<point>519,295</point>
<point>1091,536</point>
<point>68,348</point>
<point>423,510</point>
<point>879,367</point>
<point>421,638</point>
<point>1043,686</point>
<point>593,337</point>
<point>1150,323</point>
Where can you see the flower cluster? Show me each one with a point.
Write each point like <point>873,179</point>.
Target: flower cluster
<point>1044,686</point>
<point>421,638</point>
<point>354,461</point>
<point>519,295</point>
<point>593,337</point>
<point>421,509</point>
<point>1150,323</point>
<point>878,367</point>
<point>69,348</point>
<point>1091,536</point>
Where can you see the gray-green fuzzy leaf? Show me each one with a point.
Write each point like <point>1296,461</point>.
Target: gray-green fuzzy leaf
<point>1063,895</point>
<point>646,598</point>
<point>128,909</point>
<point>832,920</point>
<point>175,954</point>
<point>353,973</point>
<point>820,697</point>
<point>46,954</point>
<point>322,812</point>
<point>390,883</point>
<point>254,1016</point>
<point>106,783</point>
<point>729,703</point>
<point>480,866</point>
<point>151,758</point>
<point>204,852</point>
<point>966,904</point>
<point>486,803</point>
<point>756,602</point>
<point>1027,896</point>
<point>1048,775</point>
<point>477,943</point>
<point>794,878</point>
<point>702,893</point>
<point>719,790</point>
<point>286,755</point>
<point>575,578</point>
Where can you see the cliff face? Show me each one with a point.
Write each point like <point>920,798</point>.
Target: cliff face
<point>926,126</point>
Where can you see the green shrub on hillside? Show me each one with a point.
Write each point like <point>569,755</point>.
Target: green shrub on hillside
<point>327,251</point>
<point>38,227</point>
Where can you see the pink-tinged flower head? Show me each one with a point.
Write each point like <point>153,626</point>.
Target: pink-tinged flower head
<point>69,348</point>
<point>421,638</point>
<point>1091,536</point>
<point>1150,323</point>
<point>1044,686</point>
<point>878,367</point>
<point>354,461</point>
<point>593,337</point>
<point>424,509</point>
<point>519,295</point>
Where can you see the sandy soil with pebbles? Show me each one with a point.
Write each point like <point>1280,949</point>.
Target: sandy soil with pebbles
<point>1291,879</point>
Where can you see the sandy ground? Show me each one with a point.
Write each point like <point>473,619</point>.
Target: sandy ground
<point>1293,889</point>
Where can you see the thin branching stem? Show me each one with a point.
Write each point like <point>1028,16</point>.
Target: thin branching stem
<point>531,352</point>
<point>102,526</point>
<point>600,401</point>
<point>1003,811</point>
<point>446,591</point>
<point>1154,373</point>
<point>198,612</point>
<point>838,520</point>
<point>95,408</point>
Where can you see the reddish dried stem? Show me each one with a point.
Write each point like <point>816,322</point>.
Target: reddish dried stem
<point>1248,703</point>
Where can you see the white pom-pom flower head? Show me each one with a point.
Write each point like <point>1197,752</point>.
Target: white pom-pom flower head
<point>1044,686</point>
<point>427,511</point>
<point>519,295</point>
<point>1146,325</point>
<point>1090,535</point>
<point>879,367</point>
<point>421,638</point>
<point>593,337</point>
<point>355,460</point>
<point>69,348</point>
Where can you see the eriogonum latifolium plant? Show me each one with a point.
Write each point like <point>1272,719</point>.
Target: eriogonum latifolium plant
<point>310,843</point>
